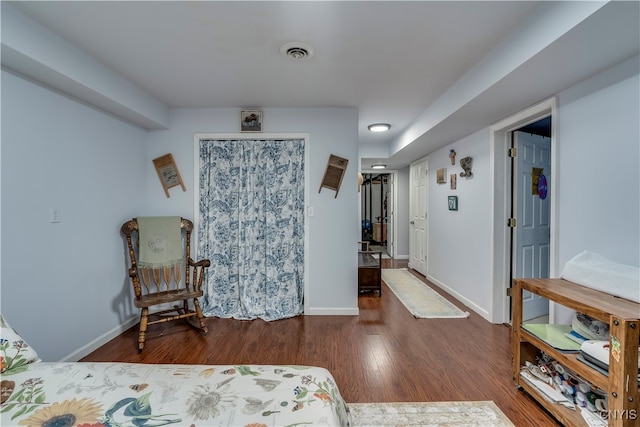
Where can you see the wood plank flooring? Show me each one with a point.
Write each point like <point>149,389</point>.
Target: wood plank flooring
<point>382,355</point>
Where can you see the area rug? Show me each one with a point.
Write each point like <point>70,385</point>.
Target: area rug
<point>422,301</point>
<point>429,414</point>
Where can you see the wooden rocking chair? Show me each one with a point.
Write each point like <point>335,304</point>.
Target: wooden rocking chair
<point>177,283</point>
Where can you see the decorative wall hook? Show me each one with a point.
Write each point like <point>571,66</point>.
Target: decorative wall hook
<point>168,173</point>
<point>333,174</point>
<point>465,163</point>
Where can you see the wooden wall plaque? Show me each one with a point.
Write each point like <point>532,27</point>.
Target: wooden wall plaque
<point>334,173</point>
<point>168,173</point>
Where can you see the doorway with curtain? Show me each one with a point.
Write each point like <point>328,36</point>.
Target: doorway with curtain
<point>251,227</point>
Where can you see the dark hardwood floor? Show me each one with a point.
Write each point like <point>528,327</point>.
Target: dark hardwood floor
<point>382,355</point>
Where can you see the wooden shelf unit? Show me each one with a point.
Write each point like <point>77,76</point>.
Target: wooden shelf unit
<point>623,317</point>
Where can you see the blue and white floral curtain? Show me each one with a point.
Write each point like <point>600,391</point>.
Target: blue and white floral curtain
<point>252,227</point>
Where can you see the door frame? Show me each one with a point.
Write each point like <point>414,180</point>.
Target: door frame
<point>530,301</point>
<point>394,206</point>
<point>500,169</point>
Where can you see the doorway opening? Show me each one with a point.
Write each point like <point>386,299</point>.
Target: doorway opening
<point>504,251</point>
<point>530,155</point>
<point>376,198</point>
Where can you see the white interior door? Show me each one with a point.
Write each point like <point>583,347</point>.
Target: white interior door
<point>532,233</point>
<point>418,217</point>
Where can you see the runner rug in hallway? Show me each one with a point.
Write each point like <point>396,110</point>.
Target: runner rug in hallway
<point>420,299</point>
<point>428,414</point>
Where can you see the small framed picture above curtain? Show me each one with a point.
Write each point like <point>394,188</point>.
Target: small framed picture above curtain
<point>251,121</point>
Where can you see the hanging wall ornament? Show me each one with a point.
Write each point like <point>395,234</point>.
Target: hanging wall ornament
<point>465,164</point>
<point>535,177</point>
<point>542,187</point>
<point>334,173</point>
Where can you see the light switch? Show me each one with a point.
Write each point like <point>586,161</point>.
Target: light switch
<point>54,215</point>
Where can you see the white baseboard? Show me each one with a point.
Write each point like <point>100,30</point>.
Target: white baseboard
<point>346,311</point>
<point>482,312</point>
<point>100,341</point>
<point>402,257</point>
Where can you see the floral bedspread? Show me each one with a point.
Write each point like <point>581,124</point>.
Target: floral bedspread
<point>143,395</point>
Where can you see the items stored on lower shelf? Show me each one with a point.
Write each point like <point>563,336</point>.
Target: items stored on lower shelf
<point>560,385</point>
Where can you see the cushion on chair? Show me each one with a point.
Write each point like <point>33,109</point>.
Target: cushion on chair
<point>15,352</point>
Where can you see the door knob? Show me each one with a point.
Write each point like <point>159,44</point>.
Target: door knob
<point>412,222</point>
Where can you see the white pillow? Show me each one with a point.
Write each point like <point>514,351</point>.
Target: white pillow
<point>15,353</point>
<point>599,273</point>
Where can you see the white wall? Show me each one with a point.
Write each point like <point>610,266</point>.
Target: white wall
<point>334,228</point>
<point>64,284</point>
<point>598,137</point>
<point>459,257</point>
<point>599,151</point>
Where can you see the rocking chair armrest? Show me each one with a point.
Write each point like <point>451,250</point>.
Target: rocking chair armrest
<point>202,263</point>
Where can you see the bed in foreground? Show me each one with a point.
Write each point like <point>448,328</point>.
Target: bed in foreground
<point>36,393</point>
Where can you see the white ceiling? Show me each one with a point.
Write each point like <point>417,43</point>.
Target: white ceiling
<point>391,60</point>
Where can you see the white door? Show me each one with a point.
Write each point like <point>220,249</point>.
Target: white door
<point>390,215</point>
<point>418,218</point>
<point>532,233</point>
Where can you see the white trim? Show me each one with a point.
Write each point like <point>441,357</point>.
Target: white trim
<point>196,187</point>
<point>500,183</point>
<point>101,340</point>
<point>466,301</point>
<point>346,311</point>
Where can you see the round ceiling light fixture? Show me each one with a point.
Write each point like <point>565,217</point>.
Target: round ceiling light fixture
<point>379,127</point>
<point>378,166</point>
<point>296,51</point>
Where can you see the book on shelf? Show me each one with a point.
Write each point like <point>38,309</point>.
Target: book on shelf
<point>554,335</point>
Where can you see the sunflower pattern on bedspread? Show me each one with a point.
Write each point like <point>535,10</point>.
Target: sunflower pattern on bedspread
<point>144,395</point>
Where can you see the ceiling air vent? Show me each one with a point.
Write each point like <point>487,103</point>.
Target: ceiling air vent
<point>296,51</point>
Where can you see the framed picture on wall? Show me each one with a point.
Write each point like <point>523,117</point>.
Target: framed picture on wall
<point>441,176</point>
<point>251,121</point>
<point>453,203</point>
